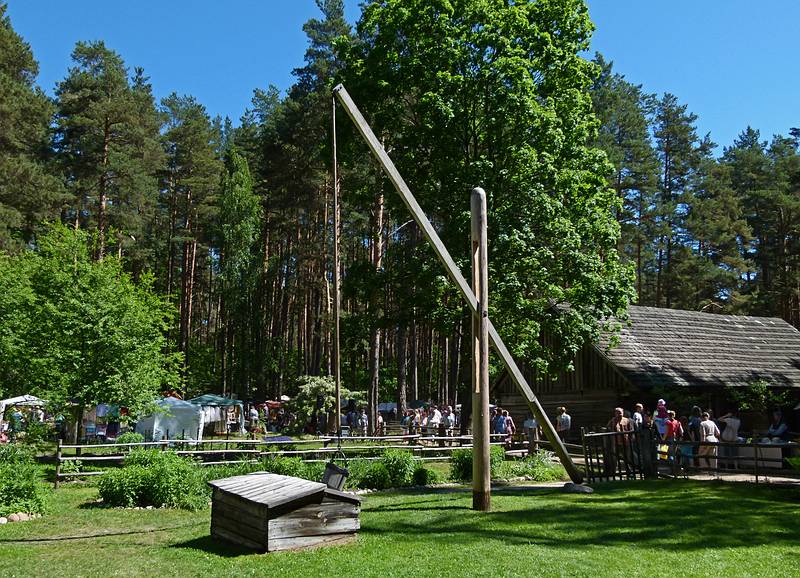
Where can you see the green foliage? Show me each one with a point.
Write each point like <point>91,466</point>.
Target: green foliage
<point>154,478</point>
<point>758,396</point>
<point>461,463</point>
<point>71,466</point>
<point>425,477</point>
<point>310,388</point>
<point>401,465</point>
<point>284,466</point>
<point>38,432</point>
<point>20,490</point>
<point>376,476</point>
<point>15,453</point>
<point>496,93</point>
<point>74,328</point>
<point>130,437</point>
<point>29,192</point>
<point>539,467</point>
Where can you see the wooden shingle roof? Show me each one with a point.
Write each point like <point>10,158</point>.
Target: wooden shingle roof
<point>669,347</point>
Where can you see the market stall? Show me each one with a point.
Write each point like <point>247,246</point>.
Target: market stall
<point>221,413</point>
<point>175,419</point>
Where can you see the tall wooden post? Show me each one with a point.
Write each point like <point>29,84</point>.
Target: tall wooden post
<point>481,473</point>
<point>337,367</point>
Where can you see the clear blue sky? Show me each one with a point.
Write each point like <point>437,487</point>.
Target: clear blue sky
<point>734,62</point>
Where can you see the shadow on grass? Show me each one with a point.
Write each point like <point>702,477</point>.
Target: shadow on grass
<point>673,516</point>
<point>210,545</point>
<point>100,534</point>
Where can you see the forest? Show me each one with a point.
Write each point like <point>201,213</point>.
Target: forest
<point>217,233</point>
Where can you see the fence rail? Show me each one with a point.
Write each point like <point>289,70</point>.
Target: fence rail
<point>638,455</point>
<point>423,447</point>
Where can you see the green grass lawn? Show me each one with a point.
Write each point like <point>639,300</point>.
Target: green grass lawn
<point>636,529</point>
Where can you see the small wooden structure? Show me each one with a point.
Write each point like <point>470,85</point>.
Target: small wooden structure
<point>270,512</point>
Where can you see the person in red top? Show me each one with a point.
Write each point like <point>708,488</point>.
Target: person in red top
<point>674,428</point>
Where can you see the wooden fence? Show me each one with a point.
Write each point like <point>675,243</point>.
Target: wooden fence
<point>212,452</point>
<point>612,456</point>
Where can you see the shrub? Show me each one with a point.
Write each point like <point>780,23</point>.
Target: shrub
<point>539,467</point>
<point>124,486</point>
<point>155,478</point>
<point>38,432</point>
<point>400,464</point>
<point>15,454</point>
<point>284,466</point>
<point>20,490</point>
<point>376,477</point>
<point>130,437</point>
<point>461,463</point>
<point>424,477</point>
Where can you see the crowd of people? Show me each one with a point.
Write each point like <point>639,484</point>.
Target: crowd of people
<point>697,435</point>
<point>430,420</point>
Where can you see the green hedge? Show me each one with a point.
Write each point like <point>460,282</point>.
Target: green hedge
<point>20,488</point>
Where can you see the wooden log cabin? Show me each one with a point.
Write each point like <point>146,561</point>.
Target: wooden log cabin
<point>270,512</point>
<point>663,351</point>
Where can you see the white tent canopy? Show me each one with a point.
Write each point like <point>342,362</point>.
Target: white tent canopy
<point>175,418</point>
<point>26,400</point>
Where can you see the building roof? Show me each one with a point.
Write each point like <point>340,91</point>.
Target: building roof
<point>670,347</point>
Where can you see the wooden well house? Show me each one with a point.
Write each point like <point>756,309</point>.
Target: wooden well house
<point>270,512</point>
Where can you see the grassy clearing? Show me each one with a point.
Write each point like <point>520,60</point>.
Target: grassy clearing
<point>645,528</point>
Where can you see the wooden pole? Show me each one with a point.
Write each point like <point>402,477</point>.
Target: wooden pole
<point>337,367</point>
<point>58,464</point>
<point>481,473</point>
<point>457,278</point>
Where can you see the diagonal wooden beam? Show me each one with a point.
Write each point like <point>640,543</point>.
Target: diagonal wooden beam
<point>455,275</point>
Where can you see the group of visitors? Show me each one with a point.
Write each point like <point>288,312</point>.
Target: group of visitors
<point>697,435</point>
<point>430,420</point>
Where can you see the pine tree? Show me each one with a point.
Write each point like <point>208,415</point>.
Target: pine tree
<point>107,143</point>
<point>624,111</point>
<point>29,192</point>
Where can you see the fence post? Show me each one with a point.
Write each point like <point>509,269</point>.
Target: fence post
<point>755,458</point>
<point>58,463</point>
<point>585,455</point>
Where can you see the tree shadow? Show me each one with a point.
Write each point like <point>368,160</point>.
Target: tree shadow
<point>714,517</point>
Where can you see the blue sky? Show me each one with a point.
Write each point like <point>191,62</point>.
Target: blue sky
<point>734,62</point>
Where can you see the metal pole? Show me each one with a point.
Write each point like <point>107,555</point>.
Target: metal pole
<point>458,279</point>
<point>481,473</point>
<point>336,300</point>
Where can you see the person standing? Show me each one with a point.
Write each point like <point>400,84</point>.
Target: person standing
<point>619,423</point>
<point>709,436</point>
<point>511,428</point>
<point>563,423</point>
<point>531,427</point>
<point>730,435</point>
<point>638,417</point>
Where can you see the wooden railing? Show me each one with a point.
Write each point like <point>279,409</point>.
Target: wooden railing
<point>427,448</point>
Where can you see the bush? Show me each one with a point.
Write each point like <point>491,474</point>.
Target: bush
<point>376,477</point>
<point>461,463</point>
<point>38,432</point>
<point>155,478</point>
<point>400,464</point>
<point>20,490</point>
<point>15,454</point>
<point>124,486</point>
<point>284,466</point>
<point>130,437</point>
<point>539,467</point>
<point>425,477</point>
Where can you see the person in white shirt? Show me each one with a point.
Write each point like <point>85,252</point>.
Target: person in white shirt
<point>730,435</point>
<point>531,427</point>
<point>638,417</point>
<point>563,423</point>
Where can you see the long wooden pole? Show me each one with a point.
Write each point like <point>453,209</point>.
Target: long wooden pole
<point>337,367</point>
<point>481,472</point>
<point>458,279</point>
